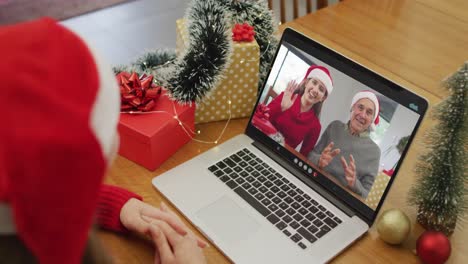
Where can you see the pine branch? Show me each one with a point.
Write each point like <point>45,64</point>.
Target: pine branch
<point>119,68</point>
<point>153,59</point>
<point>441,188</point>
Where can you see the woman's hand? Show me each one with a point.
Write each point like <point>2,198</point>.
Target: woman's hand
<point>137,216</point>
<point>327,155</point>
<point>289,96</point>
<point>174,248</point>
<point>350,170</point>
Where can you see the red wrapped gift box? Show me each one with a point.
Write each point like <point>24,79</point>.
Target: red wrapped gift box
<point>149,139</point>
<point>261,120</point>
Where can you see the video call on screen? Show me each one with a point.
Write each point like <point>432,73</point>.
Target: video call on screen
<point>375,152</point>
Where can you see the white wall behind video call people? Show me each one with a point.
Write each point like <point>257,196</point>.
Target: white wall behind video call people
<point>402,124</point>
<point>292,68</point>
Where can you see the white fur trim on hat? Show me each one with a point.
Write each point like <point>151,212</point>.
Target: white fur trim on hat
<point>371,96</point>
<point>106,108</point>
<point>322,76</point>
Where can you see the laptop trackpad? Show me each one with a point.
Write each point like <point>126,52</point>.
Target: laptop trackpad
<point>227,220</point>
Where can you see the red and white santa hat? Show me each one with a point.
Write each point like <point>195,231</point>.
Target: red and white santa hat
<point>60,108</point>
<point>371,96</point>
<point>321,73</point>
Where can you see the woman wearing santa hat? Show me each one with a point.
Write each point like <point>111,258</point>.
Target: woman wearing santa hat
<point>295,112</point>
<point>60,109</point>
<point>360,155</point>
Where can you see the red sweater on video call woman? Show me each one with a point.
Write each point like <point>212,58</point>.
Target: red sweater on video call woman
<point>295,111</point>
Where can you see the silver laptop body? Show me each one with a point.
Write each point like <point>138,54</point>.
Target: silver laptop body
<point>250,230</point>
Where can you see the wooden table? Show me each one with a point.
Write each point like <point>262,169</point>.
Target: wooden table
<point>415,43</point>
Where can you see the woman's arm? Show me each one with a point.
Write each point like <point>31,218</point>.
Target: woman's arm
<point>110,202</point>
<point>122,211</point>
<point>275,107</point>
<point>310,139</point>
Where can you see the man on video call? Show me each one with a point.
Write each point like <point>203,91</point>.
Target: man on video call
<point>360,155</point>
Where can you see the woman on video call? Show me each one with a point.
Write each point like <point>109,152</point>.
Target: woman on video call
<point>360,155</point>
<point>295,111</point>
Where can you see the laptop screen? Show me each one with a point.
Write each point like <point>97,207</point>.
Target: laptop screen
<point>342,125</point>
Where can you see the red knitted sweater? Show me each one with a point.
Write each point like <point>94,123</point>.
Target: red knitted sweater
<point>294,125</point>
<point>110,202</point>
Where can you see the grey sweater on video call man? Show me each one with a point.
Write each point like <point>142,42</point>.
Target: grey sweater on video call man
<point>365,151</point>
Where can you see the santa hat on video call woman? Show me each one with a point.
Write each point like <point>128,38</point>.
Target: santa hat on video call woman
<point>60,108</point>
<point>371,96</point>
<point>320,73</point>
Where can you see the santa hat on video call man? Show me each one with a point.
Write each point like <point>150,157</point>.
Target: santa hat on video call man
<point>58,132</point>
<point>371,96</point>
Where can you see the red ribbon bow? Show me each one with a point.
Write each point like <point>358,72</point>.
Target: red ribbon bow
<point>262,112</point>
<point>243,32</point>
<point>137,93</point>
<point>261,120</point>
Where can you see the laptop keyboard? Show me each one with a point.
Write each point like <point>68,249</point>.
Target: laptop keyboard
<point>292,211</point>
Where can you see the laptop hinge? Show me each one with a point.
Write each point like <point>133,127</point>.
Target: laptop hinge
<point>299,174</point>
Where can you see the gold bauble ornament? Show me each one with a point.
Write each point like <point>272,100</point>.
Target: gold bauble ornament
<point>394,226</point>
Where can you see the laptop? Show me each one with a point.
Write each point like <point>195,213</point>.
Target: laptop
<point>260,199</point>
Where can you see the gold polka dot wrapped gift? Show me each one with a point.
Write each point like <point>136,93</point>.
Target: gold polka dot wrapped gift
<point>239,84</point>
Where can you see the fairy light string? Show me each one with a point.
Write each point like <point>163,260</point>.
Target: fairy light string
<point>260,57</point>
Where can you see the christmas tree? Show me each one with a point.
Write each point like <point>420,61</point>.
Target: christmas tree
<point>441,192</point>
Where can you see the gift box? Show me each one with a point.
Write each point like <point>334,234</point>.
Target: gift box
<point>261,120</point>
<point>150,138</point>
<point>239,84</point>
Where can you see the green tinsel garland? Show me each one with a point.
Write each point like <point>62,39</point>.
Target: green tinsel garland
<point>200,68</point>
<point>191,76</point>
<point>149,62</point>
<point>154,59</point>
